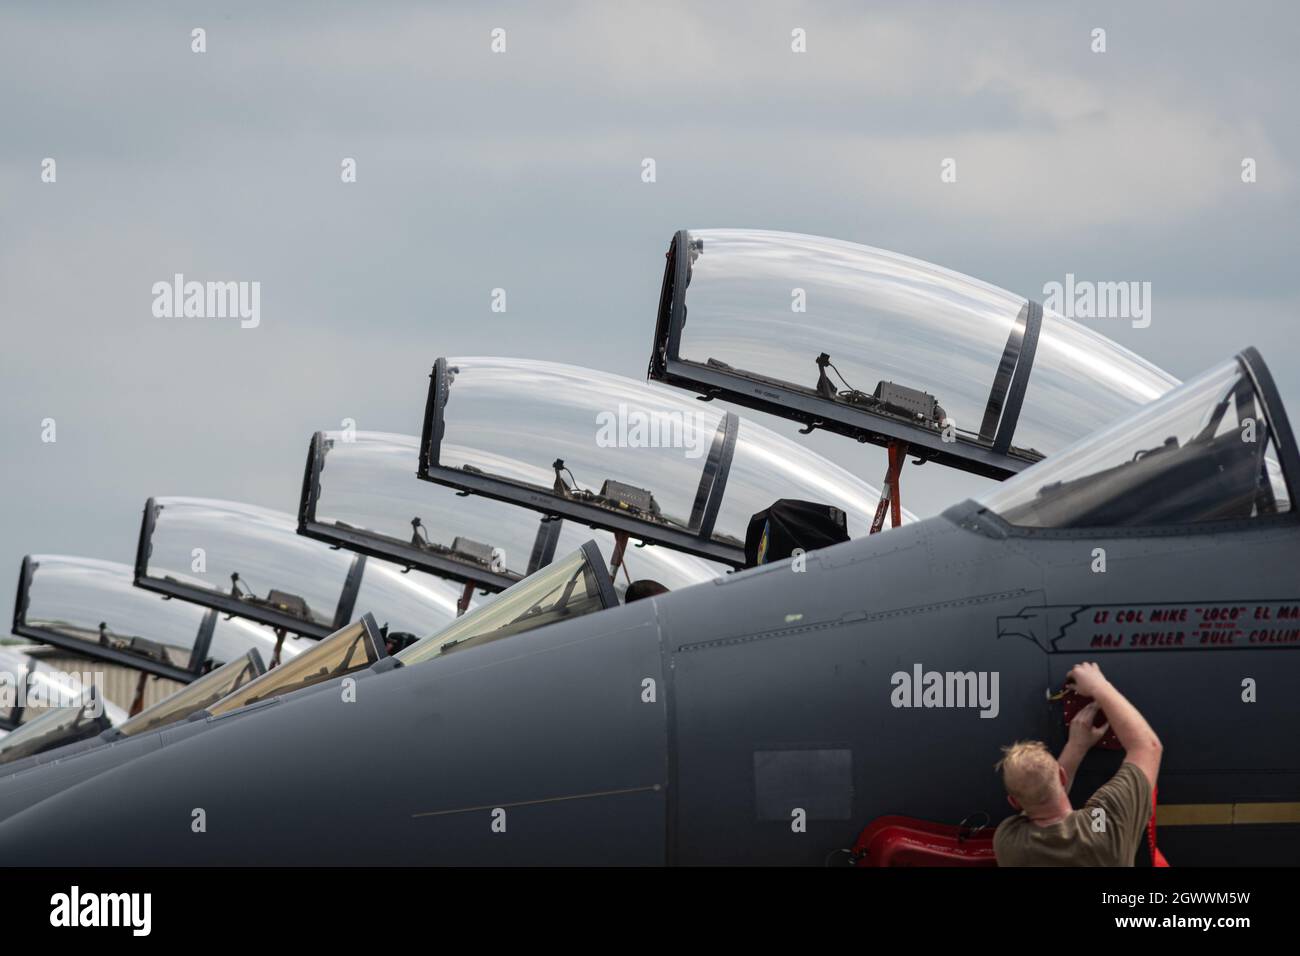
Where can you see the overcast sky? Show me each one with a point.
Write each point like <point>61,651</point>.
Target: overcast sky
<point>522,171</point>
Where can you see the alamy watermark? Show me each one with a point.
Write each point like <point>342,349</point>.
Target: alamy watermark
<point>951,689</point>
<point>1084,299</point>
<point>180,299</point>
<point>40,689</point>
<point>75,908</point>
<point>631,427</point>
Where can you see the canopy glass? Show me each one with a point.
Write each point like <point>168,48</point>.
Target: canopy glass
<point>91,607</point>
<point>251,562</point>
<point>883,347</point>
<point>1207,451</point>
<point>609,452</point>
<point>360,491</point>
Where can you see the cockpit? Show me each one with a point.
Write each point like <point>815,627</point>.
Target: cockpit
<point>887,349</point>
<point>568,588</point>
<point>1211,450</point>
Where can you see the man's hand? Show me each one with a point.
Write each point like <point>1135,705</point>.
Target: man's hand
<point>1086,679</point>
<point>1141,745</point>
<point>1083,734</point>
<point>1083,737</point>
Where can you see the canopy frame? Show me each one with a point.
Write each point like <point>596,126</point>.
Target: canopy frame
<point>230,603</point>
<point>85,648</point>
<point>990,454</point>
<point>696,540</point>
<point>410,556</point>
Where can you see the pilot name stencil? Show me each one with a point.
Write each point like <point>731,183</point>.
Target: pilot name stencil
<point>1072,628</point>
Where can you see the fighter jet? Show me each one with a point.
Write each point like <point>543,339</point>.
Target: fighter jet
<point>154,619</point>
<point>579,584</point>
<point>773,714</point>
<point>360,502</point>
<point>61,598</point>
<point>175,707</point>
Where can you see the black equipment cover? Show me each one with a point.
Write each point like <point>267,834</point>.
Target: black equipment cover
<point>774,534</point>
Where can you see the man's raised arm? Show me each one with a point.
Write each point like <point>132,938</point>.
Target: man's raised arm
<point>1141,745</point>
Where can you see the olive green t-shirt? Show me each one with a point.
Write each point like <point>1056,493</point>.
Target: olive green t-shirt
<point>1085,837</point>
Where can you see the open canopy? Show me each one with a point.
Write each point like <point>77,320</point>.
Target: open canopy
<point>1218,448</point>
<point>251,562</point>
<point>885,348</point>
<point>613,453</point>
<point>91,607</point>
<point>360,491</point>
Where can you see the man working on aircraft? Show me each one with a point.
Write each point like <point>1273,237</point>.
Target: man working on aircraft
<point>1048,831</point>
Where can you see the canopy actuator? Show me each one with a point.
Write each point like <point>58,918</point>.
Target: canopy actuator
<point>889,493</point>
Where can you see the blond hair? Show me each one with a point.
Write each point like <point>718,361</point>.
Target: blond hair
<point>1029,772</point>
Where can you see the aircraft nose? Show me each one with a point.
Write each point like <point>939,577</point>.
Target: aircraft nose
<point>545,747</point>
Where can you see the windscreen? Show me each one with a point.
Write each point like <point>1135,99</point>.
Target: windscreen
<point>1204,452</point>
<point>366,491</point>
<point>201,694</point>
<point>638,458</point>
<point>565,589</point>
<point>61,725</point>
<point>93,607</point>
<point>349,649</point>
<point>850,326</point>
